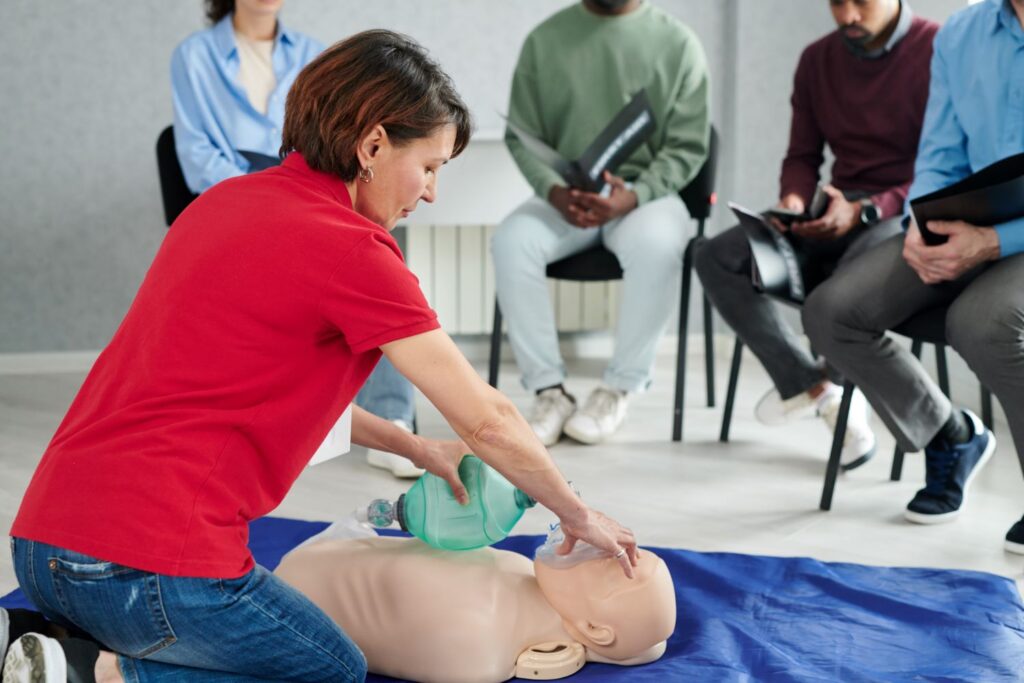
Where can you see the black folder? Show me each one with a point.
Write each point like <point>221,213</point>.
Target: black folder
<point>259,161</point>
<point>776,267</point>
<point>993,195</point>
<point>630,128</point>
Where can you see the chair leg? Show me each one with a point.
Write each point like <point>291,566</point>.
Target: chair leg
<point>495,359</point>
<point>832,469</point>
<point>897,454</point>
<point>730,393</point>
<point>986,407</point>
<point>681,342</point>
<point>941,369</point>
<point>709,352</point>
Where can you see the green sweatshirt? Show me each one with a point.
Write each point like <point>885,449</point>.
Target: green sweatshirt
<point>578,69</point>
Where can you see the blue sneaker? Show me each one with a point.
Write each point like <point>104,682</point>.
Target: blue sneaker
<point>948,474</point>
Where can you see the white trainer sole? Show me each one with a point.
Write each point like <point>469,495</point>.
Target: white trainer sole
<point>918,518</point>
<point>1015,548</point>
<point>35,659</point>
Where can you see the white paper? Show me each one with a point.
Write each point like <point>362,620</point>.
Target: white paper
<point>338,441</point>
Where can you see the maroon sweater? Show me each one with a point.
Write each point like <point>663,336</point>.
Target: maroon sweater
<point>868,111</point>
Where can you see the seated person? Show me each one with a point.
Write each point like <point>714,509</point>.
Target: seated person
<point>229,84</point>
<point>575,72</point>
<point>973,120</point>
<point>861,90</point>
<point>466,617</point>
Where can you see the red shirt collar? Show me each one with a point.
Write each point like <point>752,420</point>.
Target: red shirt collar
<point>334,185</point>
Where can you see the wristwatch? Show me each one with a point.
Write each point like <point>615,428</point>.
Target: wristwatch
<point>869,213</point>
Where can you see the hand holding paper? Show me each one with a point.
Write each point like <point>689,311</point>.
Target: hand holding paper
<point>966,247</point>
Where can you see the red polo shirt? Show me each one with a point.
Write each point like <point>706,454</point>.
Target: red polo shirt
<point>256,325</point>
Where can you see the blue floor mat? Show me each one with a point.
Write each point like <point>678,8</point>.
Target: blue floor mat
<point>750,618</point>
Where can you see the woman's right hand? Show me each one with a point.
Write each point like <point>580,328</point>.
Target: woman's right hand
<point>601,531</point>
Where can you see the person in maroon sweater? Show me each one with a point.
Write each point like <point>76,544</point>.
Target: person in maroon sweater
<point>862,91</point>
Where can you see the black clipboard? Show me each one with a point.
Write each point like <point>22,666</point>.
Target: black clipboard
<point>630,128</point>
<point>776,267</point>
<point>993,195</point>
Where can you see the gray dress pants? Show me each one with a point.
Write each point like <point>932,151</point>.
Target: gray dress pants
<point>723,264</point>
<point>846,318</point>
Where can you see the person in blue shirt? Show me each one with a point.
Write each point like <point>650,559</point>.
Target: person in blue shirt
<point>974,117</point>
<point>229,85</point>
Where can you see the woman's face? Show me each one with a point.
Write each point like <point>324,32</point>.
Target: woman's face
<point>258,7</point>
<point>402,175</point>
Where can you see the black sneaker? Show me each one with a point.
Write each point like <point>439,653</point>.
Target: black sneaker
<point>1015,538</point>
<point>948,474</point>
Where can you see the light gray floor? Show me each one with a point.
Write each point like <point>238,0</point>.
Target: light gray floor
<point>757,494</point>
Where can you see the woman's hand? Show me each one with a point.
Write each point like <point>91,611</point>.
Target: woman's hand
<point>442,458</point>
<point>602,532</point>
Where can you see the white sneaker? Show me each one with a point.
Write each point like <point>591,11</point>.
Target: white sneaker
<point>35,659</point>
<point>399,466</point>
<point>773,410</point>
<point>859,442</point>
<point>551,408</point>
<point>600,416</point>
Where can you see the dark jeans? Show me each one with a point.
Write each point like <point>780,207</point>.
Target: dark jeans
<point>171,628</point>
<point>724,264</point>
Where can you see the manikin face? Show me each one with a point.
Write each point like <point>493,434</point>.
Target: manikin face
<point>402,174</point>
<point>862,21</point>
<point>618,618</point>
<point>257,8</point>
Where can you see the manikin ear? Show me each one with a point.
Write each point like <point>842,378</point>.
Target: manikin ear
<point>373,144</point>
<point>598,634</point>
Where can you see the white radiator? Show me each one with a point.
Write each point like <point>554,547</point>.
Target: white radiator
<point>453,263</point>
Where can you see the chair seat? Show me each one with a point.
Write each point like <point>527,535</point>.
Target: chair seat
<point>593,265</point>
<point>928,326</point>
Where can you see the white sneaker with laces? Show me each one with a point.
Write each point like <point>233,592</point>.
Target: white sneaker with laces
<point>772,410</point>
<point>551,408</point>
<point>859,442</point>
<point>35,659</point>
<point>600,416</point>
<point>399,466</point>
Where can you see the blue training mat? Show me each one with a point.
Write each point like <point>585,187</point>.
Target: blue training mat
<point>750,618</point>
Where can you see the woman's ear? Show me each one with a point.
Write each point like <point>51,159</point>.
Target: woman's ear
<point>596,633</point>
<point>371,146</point>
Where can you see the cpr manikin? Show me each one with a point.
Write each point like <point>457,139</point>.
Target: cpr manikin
<point>468,617</point>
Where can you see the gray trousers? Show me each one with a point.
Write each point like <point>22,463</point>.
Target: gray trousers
<point>723,264</point>
<point>847,316</point>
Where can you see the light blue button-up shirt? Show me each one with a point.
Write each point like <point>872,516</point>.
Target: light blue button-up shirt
<point>975,113</point>
<point>213,118</point>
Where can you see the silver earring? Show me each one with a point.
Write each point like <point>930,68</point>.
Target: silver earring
<point>366,174</point>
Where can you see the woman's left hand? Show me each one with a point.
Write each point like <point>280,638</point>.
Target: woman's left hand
<point>442,458</point>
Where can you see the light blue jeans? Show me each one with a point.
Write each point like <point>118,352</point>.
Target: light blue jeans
<point>649,243</point>
<point>388,394</point>
<point>171,628</point>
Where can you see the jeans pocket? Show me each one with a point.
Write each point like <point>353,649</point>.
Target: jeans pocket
<point>119,606</point>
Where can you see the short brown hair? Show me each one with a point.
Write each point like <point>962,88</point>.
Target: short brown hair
<point>373,78</point>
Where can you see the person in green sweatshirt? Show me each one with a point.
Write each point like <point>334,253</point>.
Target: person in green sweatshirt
<point>576,71</point>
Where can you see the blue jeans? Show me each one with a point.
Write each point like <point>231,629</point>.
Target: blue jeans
<point>648,242</point>
<point>388,394</point>
<point>170,628</point>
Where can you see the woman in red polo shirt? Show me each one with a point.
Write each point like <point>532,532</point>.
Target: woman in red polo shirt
<point>265,309</point>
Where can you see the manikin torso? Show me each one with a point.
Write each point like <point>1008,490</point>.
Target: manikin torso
<point>430,615</point>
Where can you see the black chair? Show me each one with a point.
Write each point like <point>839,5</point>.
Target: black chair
<point>927,327</point>
<point>173,189</point>
<point>600,265</point>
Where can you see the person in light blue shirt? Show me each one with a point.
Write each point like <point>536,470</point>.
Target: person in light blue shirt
<point>214,118</point>
<point>229,84</point>
<point>974,117</point>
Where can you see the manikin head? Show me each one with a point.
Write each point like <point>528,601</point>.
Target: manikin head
<point>624,621</point>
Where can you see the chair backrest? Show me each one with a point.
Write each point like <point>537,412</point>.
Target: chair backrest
<point>175,192</point>
<point>699,196</point>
